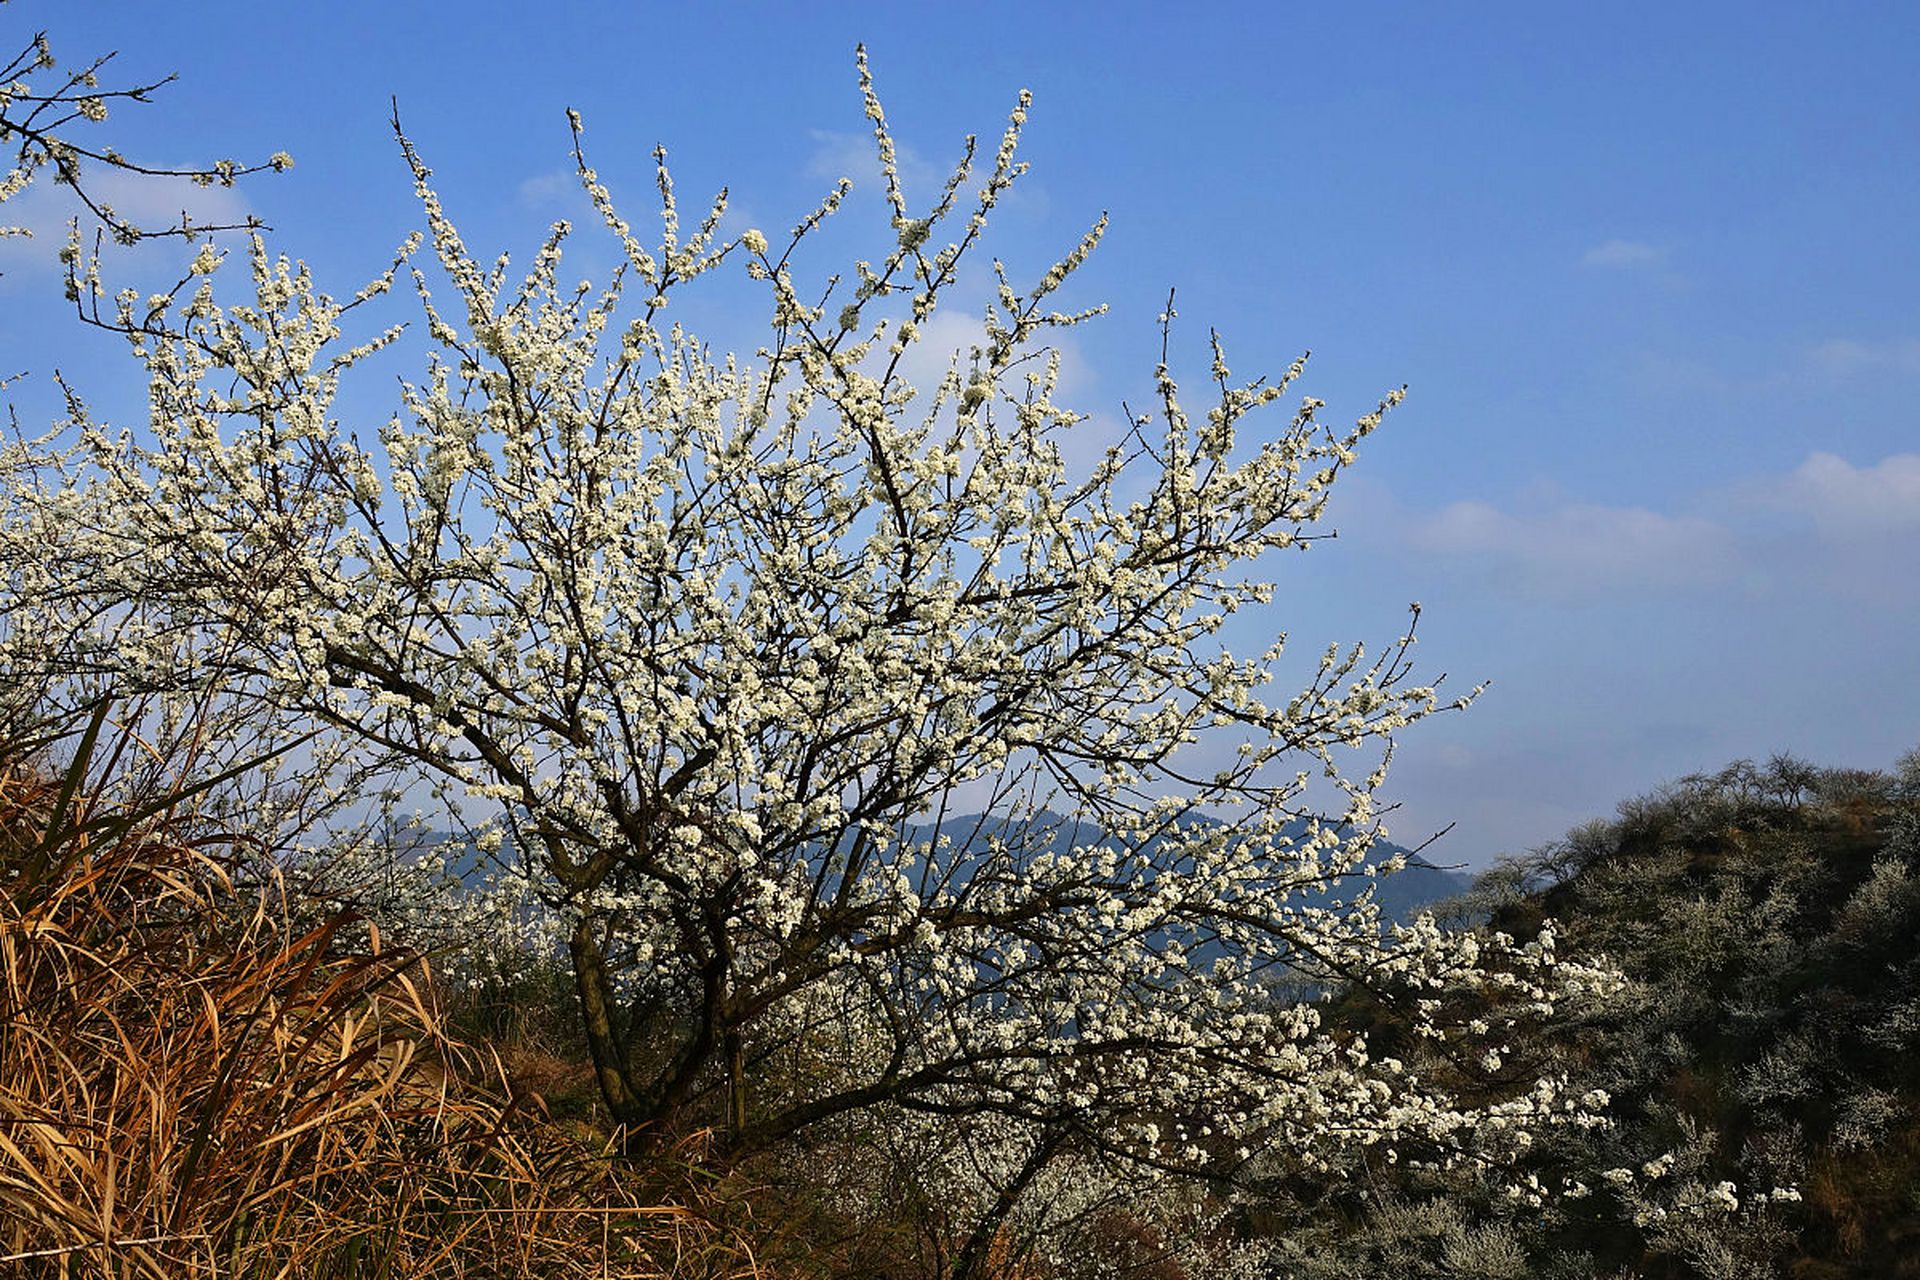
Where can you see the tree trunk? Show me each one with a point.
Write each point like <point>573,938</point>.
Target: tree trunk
<point>595,991</point>
<point>736,1086</point>
<point>977,1252</point>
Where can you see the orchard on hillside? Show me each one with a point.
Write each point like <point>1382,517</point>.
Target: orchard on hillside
<point>723,642</point>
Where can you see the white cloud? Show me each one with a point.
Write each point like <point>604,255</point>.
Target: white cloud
<point>1578,549</point>
<point>148,202</point>
<point>1844,499</point>
<point>1752,538</point>
<point>853,155</point>
<point>544,190</point>
<point>947,333</point>
<point>1843,357</point>
<point>953,330</point>
<point>1623,255</point>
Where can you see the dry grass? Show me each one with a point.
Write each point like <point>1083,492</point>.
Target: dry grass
<point>196,1081</point>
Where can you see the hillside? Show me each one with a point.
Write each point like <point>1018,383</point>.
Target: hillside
<point>1764,1065</point>
<point>1760,1071</point>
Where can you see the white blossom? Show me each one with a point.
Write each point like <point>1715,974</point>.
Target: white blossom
<point>724,638</point>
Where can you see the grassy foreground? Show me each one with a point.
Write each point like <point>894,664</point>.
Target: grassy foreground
<point>200,1077</point>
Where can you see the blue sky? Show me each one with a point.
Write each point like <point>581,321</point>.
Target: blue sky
<point>1649,272</point>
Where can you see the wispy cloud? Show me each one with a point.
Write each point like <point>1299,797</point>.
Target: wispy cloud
<point>1623,255</point>
<point>1827,527</point>
<point>1850,501</point>
<point>544,190</point>
<point>154,203</point>
<point>839,155</point>
<point>1843,357</point>
<point>853,155</point>
<point>1577,549</point>
<point>954,331</point>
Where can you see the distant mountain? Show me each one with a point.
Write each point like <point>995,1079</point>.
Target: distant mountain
<point>1401,896</point>
<point>1416,887</point>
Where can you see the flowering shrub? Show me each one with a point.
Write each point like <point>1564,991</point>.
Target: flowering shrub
<point>724,641</point>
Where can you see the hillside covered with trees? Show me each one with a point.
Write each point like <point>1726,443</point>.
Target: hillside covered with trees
<point>391,1115</point>
<point>1763,1063</point>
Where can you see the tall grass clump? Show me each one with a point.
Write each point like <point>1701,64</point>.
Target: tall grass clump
<point>202,1077</point>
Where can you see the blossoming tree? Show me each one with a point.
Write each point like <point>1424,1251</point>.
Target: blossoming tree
<point>727,641</point>
<point>40,108</point>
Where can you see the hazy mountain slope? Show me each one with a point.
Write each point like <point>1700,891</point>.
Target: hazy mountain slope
<point>1402,895</point>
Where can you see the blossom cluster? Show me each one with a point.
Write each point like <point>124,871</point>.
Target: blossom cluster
<point>721,639</point>
<point>40,106</point>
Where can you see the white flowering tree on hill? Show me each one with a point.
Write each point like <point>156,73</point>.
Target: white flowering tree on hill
<point>727,639</point>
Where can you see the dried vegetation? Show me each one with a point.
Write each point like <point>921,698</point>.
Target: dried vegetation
<point>199,1077</point>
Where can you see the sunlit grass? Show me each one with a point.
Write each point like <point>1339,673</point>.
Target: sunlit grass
<point>199,1077</point>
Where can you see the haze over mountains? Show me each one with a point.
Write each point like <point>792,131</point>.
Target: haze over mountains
<point>1402,895</point>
